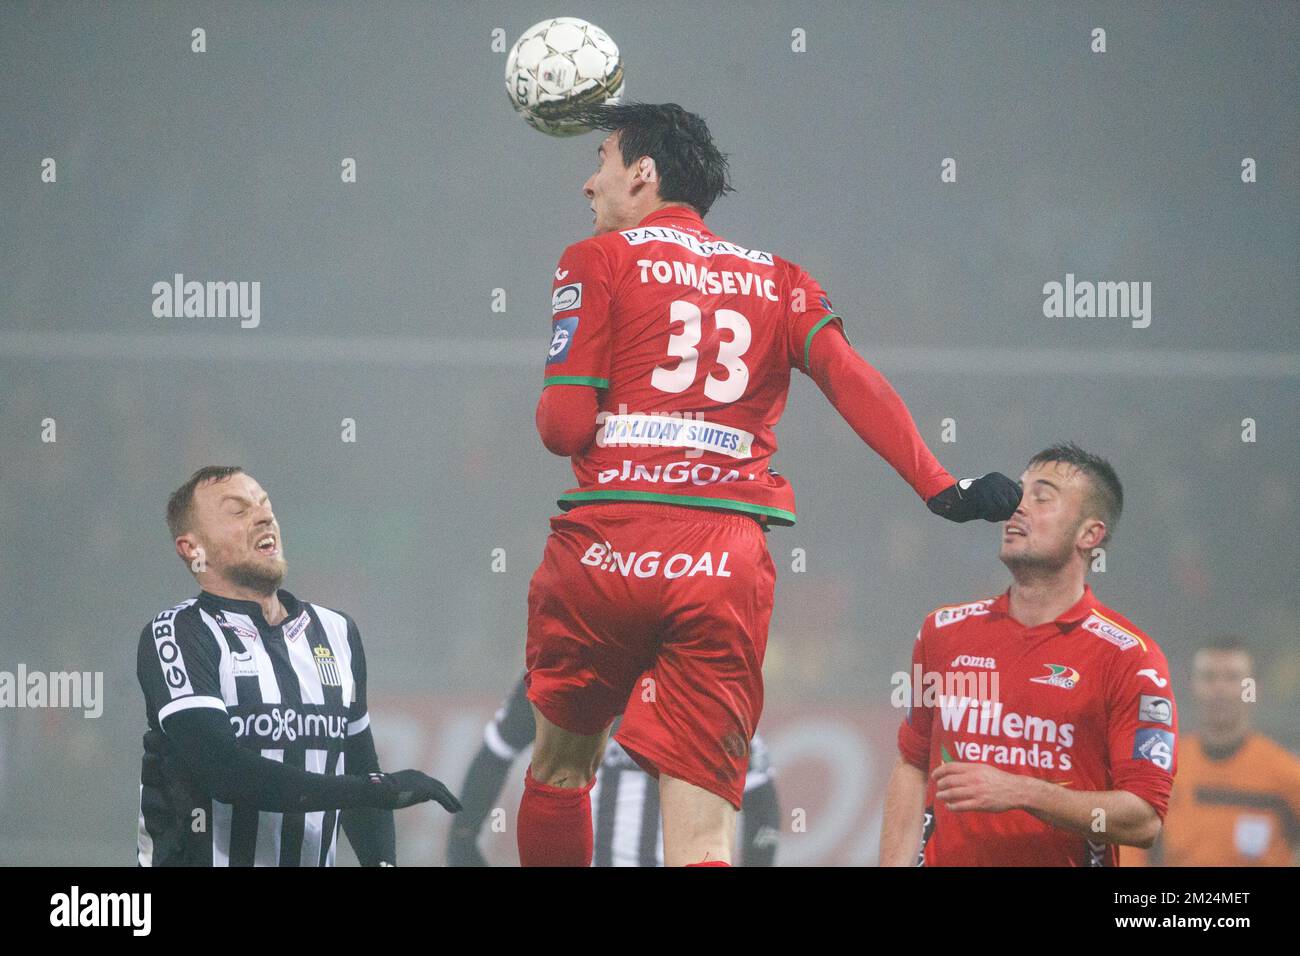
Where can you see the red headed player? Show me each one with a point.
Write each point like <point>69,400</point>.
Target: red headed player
<point>670,358</point>
<point>1045,729</point>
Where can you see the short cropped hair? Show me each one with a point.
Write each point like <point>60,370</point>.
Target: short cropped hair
<point>1105,496</point>
<point>180,506</point>
<point>1231,643</point>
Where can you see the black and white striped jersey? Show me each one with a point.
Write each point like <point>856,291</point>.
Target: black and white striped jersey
<point>293,693</point>
<point>625,807</point>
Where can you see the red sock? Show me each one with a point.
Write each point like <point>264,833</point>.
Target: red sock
<point>710,863</point>
<point>554,825</point>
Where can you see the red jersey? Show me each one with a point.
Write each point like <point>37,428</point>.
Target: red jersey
<point>691,340</point>
<point>1083,701</point>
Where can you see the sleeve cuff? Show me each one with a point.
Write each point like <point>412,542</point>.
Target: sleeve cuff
<point>912,748</point>
<point>936,484</point>
<point>496,743</point>
<point>189,703</point>
<point>360,725</point>
<point>1154,788</point>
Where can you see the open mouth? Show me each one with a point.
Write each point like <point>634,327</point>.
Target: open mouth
<point>266,544</point>
<point>1014,531</point>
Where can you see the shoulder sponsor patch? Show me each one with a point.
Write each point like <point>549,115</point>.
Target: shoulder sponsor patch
<point>169,656</point>
<point>951,615</point>
<point>566,298</point>
<point>1155,745</point>
<point>562,332</point>
<point>297,626</point>
<point>245,632</point>
<point>1108,630</point>
<point>1155,710</point>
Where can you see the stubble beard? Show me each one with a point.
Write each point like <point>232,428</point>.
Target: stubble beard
<point>260,579</point>
<point>1033,565</point>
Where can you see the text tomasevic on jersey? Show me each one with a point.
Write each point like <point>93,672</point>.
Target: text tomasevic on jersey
<point>706,280</point>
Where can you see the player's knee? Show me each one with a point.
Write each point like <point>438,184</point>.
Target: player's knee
<point>560,773</point>
<point>563,767</point>
<point>565,759</point>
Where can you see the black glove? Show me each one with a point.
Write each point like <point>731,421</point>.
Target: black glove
<point>993,497</point>
<point>163,766</point>
<point>164,770</point>
<point>151,767</point>
<point>406,788</point>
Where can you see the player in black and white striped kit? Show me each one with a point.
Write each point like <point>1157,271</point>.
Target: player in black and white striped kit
<point>259,738</point>
<point>624,801</point>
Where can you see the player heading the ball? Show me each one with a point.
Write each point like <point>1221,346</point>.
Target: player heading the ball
<point>670,358</point>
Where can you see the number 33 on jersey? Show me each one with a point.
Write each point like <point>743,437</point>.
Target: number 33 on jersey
<point>691,340</point>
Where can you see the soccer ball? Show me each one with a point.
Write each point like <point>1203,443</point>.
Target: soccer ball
<point>558,66</point>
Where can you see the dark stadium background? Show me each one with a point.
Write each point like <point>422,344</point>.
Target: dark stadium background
<point>376,306</point>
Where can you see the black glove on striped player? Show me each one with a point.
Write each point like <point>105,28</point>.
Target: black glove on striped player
<point>406,788</point>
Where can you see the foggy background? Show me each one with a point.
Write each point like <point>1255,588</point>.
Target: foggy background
<point>376,306</point>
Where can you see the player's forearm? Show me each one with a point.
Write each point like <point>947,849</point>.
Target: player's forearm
<point>478,794</point>
<point>900,830</point>
<point>1104,816</point>
<point>372,833</point>
<point>866,400</point>
<point>224,770</point>
<point>370,830</point>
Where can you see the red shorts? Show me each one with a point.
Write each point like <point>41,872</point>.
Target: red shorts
<point>657,612</point>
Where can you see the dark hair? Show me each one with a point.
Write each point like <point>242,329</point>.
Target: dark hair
<point>181,503</point>
<point>1225,642</point>
<point>691,169</point>
<point>1106,498</point>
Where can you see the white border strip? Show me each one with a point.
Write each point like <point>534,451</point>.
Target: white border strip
<point>189,703</point>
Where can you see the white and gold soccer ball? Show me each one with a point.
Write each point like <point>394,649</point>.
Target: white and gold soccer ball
<point>559,66</point>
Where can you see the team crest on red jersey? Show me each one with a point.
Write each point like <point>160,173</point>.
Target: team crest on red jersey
<point>1059,675</point>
